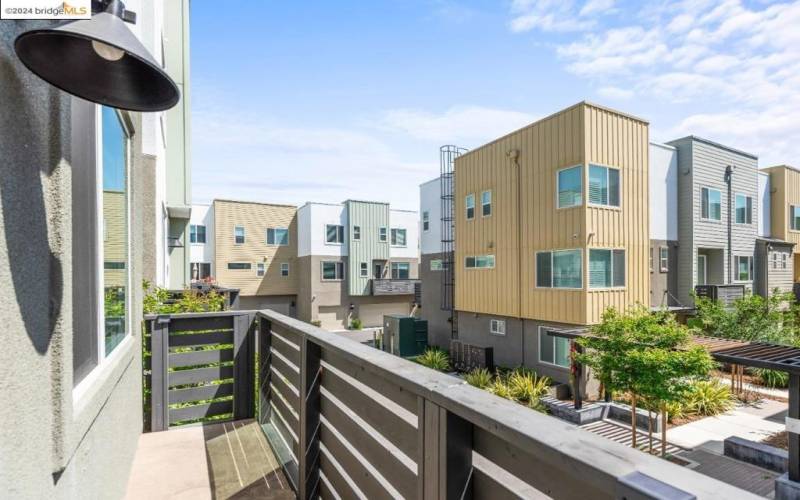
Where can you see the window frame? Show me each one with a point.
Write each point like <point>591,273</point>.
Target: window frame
<point>475,261</point>
<point>607,168</point>
<point>736,260</point>
<point>554,338</point>
<point>274,239</point>
<point>784,259</point>
<point>494,323</point>
<point>663,260</point>
<point>285,269</point>
<point>261,269</point>
<point>363,271</point>
<point>339,234</point>
<point>338,276</point>
<point>235,236</point>
<point>793,219</point>
<point>356,233</point>
<point>393,238</point>
<point>485,204</point>
<point>551,252</point>
<point>440,265</point>
<point>558,187</point>
<point>426,221</point>
<point>194,234</point>
<point>248,264</point>
<point>470,197</point>
<point>625,269</point>
<point>395,265</point>
<point>383,234</point>
<point>708,189</point>
<point>748,209</point>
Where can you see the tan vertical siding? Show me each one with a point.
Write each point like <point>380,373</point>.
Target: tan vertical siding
<point>255,218</point>
<point>525,218</point>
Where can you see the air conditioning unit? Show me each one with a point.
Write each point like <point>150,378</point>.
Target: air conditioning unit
<point>726,294</point>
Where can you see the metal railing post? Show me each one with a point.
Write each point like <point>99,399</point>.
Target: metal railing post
<point>159,374</point>
<point>310,380</point>
<point>264,372</point>
<point>243,366</point>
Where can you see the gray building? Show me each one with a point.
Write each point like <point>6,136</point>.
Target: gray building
<point>717,215</point>
<point>77,198</point>
<point>663,191</point>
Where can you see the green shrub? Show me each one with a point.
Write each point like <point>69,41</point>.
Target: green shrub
<point>500,388</point>
<point>676,410</point>
<point>708,398</point>
<point>526,387</point>
<point>772,378</point>
<point>355,324</point>
<point>480,378</point>
<point>317,323</point>
<point>436,359</point>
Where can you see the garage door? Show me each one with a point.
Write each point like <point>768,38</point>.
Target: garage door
<point>332,317</point>
<point>372,314</point>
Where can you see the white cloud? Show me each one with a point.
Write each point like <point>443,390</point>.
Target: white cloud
<point>737,61</point>
<point>468,125</point>
<point>597,7</point>
<point>547,15</point>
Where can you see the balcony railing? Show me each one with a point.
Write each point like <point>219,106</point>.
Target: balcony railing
<point>393,286</point>
<point>350,421</point>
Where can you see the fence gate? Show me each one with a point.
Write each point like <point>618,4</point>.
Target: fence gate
<point>201,367</point>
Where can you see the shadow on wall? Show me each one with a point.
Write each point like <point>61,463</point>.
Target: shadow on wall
<point>32,141</point>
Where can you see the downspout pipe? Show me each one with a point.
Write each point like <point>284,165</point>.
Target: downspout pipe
<point>728,181</point>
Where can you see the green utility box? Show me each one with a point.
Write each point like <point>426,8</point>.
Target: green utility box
<point>404,335</point>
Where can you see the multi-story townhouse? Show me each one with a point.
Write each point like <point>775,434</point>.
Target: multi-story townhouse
<point>85,217</point>
<point>779,228</point>
<point>434,309</point>
<point>663,225</point>
<point>201,242</point>
<point>357,259</point>
<point>255,251</point>
<point>552,228</point>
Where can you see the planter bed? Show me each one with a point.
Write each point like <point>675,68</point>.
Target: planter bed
<point>565,410</point>
<point>761,454</point>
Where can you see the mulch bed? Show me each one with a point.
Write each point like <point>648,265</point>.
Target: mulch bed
<point>778,440</point>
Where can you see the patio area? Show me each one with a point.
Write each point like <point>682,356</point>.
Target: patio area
<point>215,461</point>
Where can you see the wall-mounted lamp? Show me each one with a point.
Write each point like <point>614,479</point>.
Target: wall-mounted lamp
<point>100,60</point>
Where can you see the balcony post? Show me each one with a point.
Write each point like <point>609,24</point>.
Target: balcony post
<point>264,360</point>
<point>243,360</point>
<point>310,380</point>
<point>445,461</point>
<point>159,374</point>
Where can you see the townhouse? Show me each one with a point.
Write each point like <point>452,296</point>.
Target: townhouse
<point>434,281</point>
<point>780,187</point>
<point>325,263</point>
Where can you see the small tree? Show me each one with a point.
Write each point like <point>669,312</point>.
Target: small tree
<point>751,317</point>
<point>646,354</point>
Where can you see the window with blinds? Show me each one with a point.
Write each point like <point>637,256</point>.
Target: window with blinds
<point>606,268</point>
<point>603,186</point>
<point>570,187</point>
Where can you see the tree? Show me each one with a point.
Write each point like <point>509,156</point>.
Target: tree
<point>645,354</point>
<point>751,317</point>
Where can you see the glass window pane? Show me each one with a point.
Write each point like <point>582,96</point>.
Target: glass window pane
<point>599,268</point>
<point>567,269</point>
<point>469,262</point>
<point>704,203</point>
<point>562,352</point>
<point>329,270</point>
<point>201,234</point>
<point>741,209</point>
<point>543,269</point>
<point>598,185</point>
<point>546,347</point>
<point>613,187</point>
<point>618,268</point>
<point>115,215</point>
<point>715,204</point>
<point>570,186</point>
<point>282,235</point>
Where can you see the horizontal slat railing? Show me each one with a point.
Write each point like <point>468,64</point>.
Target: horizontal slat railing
<point>201,367</point>
<point>373,425</point>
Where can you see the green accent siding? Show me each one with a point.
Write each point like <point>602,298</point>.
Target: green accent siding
<point>370,217</point>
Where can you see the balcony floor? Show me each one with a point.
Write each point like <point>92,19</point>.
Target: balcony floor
<point>216,461</point>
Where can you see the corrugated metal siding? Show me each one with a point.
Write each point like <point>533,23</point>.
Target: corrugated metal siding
<point>256,218</point>
<point>369,217</point>
<point>525,218</point>
<point>115,236</point>
<point>622,142</point>
<point>786,183</point>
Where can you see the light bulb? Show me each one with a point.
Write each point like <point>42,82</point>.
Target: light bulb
<point>107,52</point>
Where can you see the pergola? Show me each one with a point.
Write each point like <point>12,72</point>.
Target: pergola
<point>739,353</point>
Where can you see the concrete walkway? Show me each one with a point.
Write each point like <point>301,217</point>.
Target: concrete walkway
<point>217,461</point>
<point>754,422</point>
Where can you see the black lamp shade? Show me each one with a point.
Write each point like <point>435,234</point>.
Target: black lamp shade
<point>65,57</point>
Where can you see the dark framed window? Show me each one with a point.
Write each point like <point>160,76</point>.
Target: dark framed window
<point>332,271</point>
<point>235,266</point>
<point>238,235</point>
<point>334,234</point>
<point>197,233</point>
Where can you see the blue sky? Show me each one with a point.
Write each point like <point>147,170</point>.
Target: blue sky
<point>324,101</point>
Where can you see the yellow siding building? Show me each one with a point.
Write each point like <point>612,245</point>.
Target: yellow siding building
<point>785,203</point>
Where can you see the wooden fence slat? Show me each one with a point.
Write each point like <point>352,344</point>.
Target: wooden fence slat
<point>159,409</point>
<point>210,322</point>
<point>290,416</point>
<point>198,375</point>
<point>200,411</point>
<point>287,349</point>
<point>390,425</point>
<point>200,393</point>
<point>343,486</point>
<point>291,372</point>
<point>280,422</point>
<point>198,339</point>
<point>195,358</point>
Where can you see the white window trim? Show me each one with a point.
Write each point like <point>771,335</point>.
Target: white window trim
<point>612,287</point>
<point>285,265</point>
<point>539,350</point>
<point>405,233</point>
<point>608,205</point>
<point>262,269</point>
<point>334,243</point>
<point>705,269</point>
<point>551,252</point>
<point>662,268</point>
<point>363,270</point>
<point>494,261</point>
<point>467,207</point>
<point>392,268</point>
<point>322,270</point>
<point>495,331</point>
<point>735,195</point>
<point>383,238</point>
<point>583,186</point>
<point>356,233</point>
<point>266,236</point>
<point>441,264</point>
<point>791,219</point>
<point>244,235</point>
<point>750,268</point>
<point>190,233</point>
<point>705,219</point>
<point>491,206</point>
<point>426,219</point>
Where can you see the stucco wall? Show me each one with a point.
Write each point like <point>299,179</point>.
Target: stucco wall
<point>54,444</point>
<point>439,328</point>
